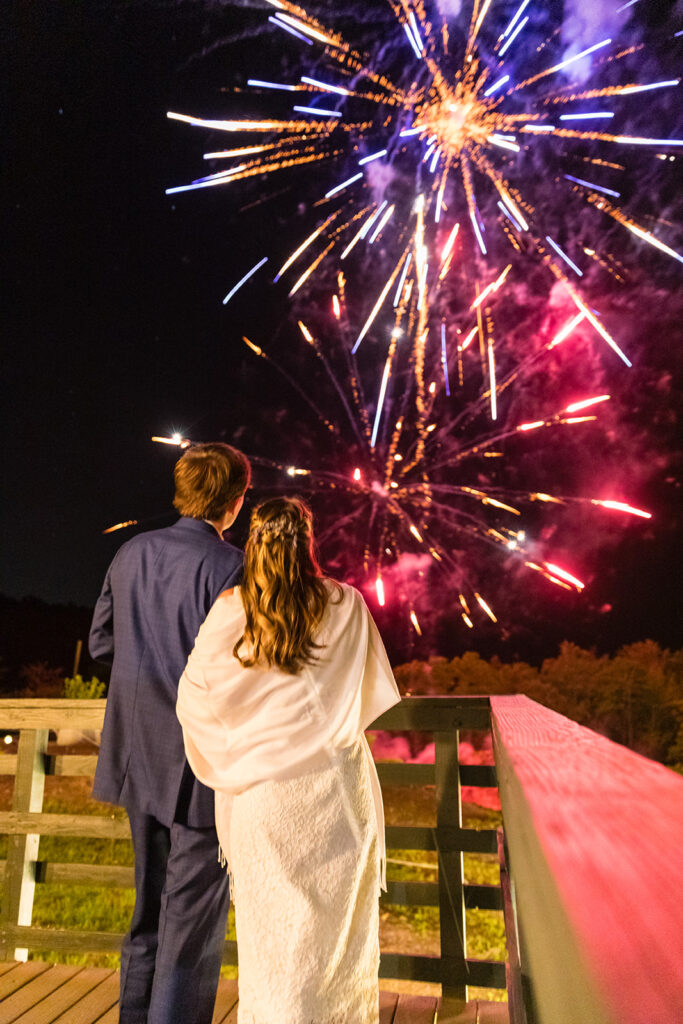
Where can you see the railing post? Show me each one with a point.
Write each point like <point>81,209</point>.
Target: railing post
<point>451,891</point>
<point>22,851</point>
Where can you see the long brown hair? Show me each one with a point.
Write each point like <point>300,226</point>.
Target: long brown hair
<point>283,590</point>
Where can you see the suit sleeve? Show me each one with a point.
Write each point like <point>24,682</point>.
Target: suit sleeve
<point>233,578</point>
<point>101,639</point>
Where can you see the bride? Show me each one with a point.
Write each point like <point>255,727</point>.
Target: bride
<point>287,672</point>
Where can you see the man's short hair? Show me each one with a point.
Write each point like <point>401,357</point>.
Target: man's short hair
<point>209,478</point>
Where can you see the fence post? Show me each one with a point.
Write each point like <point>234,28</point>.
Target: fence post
<point>451,891</point>
<point>22,851</point>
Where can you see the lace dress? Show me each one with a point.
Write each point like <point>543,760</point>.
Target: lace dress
<point>305,883</point>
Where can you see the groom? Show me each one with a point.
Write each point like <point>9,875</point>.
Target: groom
<point>156,594</point>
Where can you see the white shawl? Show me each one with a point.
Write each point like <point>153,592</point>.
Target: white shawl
<point>243,726</point>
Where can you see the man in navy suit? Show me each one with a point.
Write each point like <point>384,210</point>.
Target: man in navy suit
<point>157,592</point>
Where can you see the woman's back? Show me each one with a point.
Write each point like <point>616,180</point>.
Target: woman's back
<point>286,674</point>
<point>273,722</point>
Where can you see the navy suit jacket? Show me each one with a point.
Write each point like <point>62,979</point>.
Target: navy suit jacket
<point>156,594</point>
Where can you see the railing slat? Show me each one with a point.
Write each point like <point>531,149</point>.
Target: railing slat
<point>412,894</point>
<point>8,764</point>
<point>410,968</point>
<point>483,897</point>
<point>109,875</point>
<point>395,773</point>
<point>71,764</point>
<point>479,973</point>
<point>478,775</point>
<point>69,940</point>
<point>417,837</point>
<point>89,826</point>
<point>436,714</point>
<point>35,713</point>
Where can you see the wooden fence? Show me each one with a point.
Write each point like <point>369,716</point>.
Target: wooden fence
<point>591,858</point>
<point>444,717</point>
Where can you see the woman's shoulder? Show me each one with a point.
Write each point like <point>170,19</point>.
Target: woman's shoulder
<point>226,611</point>
<point>344,597</point>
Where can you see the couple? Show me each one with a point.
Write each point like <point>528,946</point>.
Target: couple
<point>251,751</point>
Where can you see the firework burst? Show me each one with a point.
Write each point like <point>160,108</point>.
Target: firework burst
<point>453,160</point>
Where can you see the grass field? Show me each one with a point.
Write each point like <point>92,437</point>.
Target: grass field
<point>402,929</point>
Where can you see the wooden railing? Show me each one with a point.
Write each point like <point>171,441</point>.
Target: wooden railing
<point>595,850</point>
<point>445,717</point>
<point>591,858</point>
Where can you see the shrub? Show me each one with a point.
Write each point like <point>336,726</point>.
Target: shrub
<point>79,688</point>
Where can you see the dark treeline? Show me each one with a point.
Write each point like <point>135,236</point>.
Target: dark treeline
<point>34,632</point>
<point>634,697</point>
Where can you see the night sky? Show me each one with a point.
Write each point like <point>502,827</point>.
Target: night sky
<point>114,328</point>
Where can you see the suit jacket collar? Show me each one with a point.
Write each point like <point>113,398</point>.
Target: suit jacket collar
<point>186,524</point>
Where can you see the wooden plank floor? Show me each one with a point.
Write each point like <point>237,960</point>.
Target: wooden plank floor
<point>39,993</point>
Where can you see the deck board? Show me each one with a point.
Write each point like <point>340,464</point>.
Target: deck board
<point>111,1016</point>
<point>40,993</point>
<point>74,988</point>
<point>7,965</point>
<point>20,976</point>
<point>387,1007</point>
<point>40,987</point>
<point>226,1000</point>
<point>415,1010</point>
<point>92,1006</point>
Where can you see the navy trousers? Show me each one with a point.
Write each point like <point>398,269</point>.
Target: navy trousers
<point>171,957</point>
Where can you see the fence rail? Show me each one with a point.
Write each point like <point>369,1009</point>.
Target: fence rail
<point>444,717</point>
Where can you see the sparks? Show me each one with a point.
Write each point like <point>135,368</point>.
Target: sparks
<point>176,439</point>
<point>497,85</point>
<point>564,575</point>
<point>620,506</point>
<point>586,403</point>
<point>486,607</point>
<point>344,184</point>
<point>121,526</point>
<point>244,279</point>
<point>562,254</point>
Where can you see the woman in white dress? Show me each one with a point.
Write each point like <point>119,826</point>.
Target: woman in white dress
<point>286,674</point>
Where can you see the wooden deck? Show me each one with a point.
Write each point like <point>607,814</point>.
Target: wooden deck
<point>40,993</point>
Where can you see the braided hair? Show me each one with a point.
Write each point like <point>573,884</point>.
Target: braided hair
<point>283,590</point>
